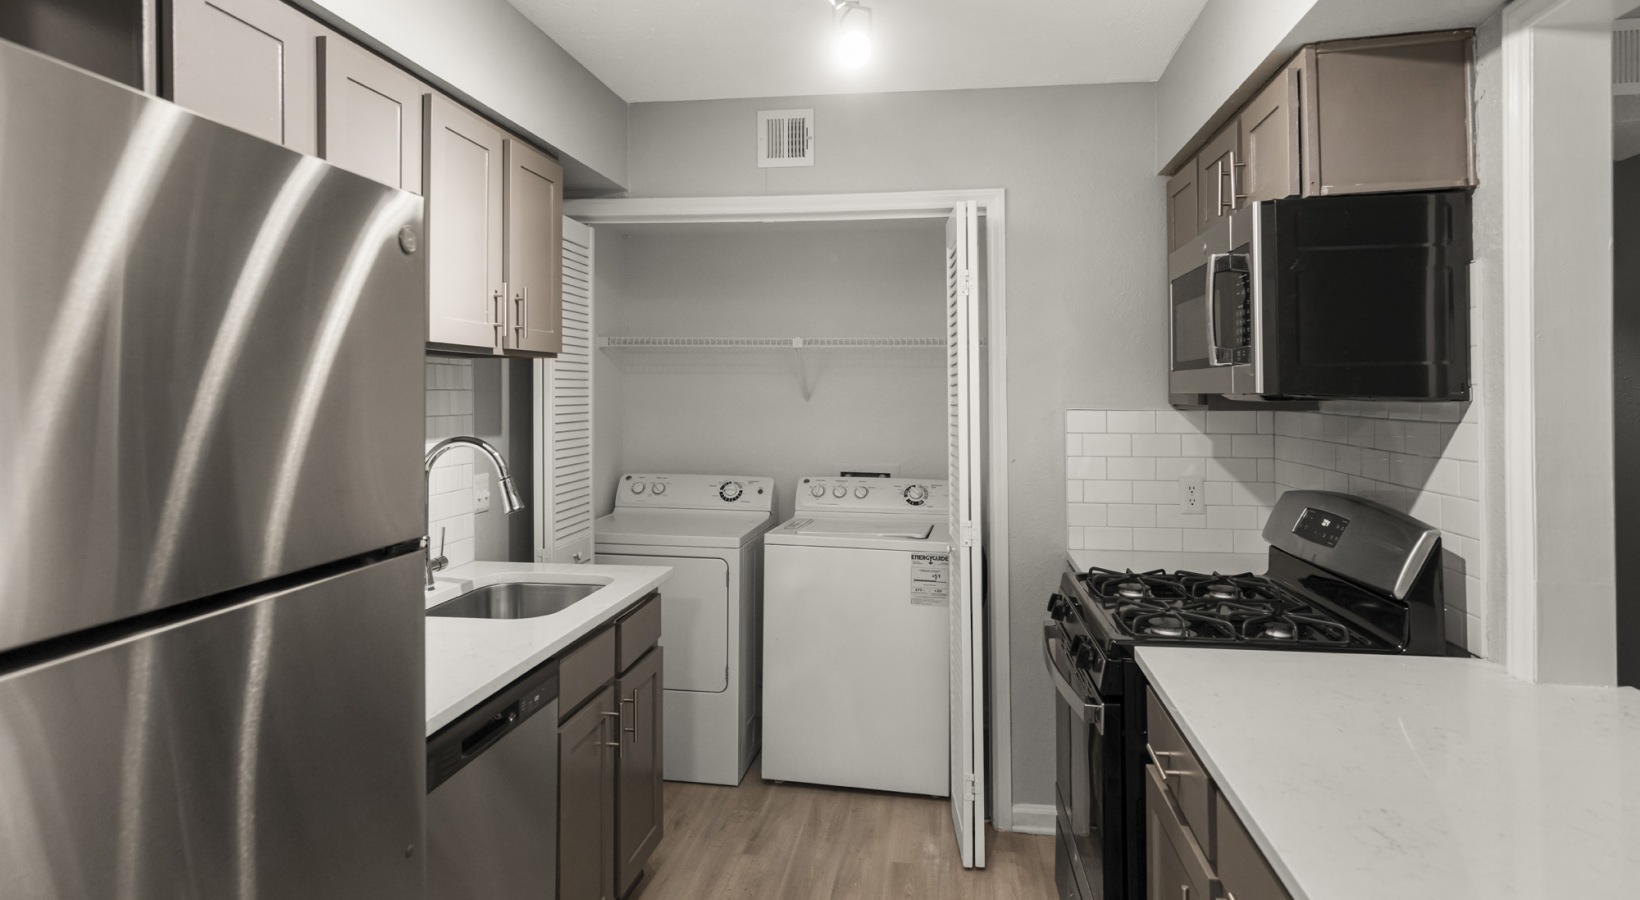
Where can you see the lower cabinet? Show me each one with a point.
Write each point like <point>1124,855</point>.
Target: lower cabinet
<point>638,785</point>
<point>586,801</point>
<point>1198,850</point>
<point>610,797</point>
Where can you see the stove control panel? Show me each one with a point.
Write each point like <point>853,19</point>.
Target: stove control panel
<point>753,493</point>
<point>1321,527</point>
<point>872,495</point>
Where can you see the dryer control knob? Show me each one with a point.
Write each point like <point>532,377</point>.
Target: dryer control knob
<point>730,491</point>
<point>637,487</point>
<point>916,495</point>
<point>818,490</point>
<point>839,492</point>
<point>658,489</point>
<point>861,492</point>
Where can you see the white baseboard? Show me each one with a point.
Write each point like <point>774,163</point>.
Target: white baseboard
<point>1034,818</point>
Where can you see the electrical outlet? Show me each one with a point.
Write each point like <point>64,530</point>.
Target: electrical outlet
<point>481,492</point>
<point>1191,501</point>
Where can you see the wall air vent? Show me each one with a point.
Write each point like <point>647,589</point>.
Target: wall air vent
<point>785,137</point>
<point>1626,56</point>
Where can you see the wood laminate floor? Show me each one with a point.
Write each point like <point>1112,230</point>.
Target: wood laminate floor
<point>796,842</point>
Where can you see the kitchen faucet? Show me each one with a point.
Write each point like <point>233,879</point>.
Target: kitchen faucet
<point>510,501</point>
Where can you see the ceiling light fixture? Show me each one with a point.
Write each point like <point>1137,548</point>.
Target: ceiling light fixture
<point>853,23</point>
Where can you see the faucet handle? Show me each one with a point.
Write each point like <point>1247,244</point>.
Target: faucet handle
<point>442,531</point>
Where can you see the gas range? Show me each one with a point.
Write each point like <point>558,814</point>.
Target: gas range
<point>1343,575</point>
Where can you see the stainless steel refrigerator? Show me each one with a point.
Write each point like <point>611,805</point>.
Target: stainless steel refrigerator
<point>211,424</point>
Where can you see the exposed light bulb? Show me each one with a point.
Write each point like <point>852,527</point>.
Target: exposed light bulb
<point>853,47</point>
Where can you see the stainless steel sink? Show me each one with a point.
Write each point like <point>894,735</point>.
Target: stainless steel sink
<point>514,600</point>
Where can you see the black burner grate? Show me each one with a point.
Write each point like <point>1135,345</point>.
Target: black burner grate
<point>1214,608</point>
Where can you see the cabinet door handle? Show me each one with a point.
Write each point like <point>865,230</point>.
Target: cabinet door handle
<point>1155,757</point>
<point>1236,196</point>
<point>1184,892</point>
<point>522,306</point>
<point>498,301</point>
<point>634,729</point>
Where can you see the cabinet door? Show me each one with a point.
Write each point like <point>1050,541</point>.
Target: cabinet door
<point>465,308</point>
<point>1175,866</point>
<point>535,202</point>
<point>1269,139</point>
<point>1242,868</point>
<point>586,801</point>
<point>1217,178</point>
<point>369,115</point>
<point>1390,114</point>
<point>249,64</point>
<point>1183,215</point>
<point>638,785</point>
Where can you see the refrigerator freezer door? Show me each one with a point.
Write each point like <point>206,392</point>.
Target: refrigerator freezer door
<point>211,356</point>
<point>272,749</point>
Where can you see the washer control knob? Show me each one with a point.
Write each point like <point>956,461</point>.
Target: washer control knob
<point>637,487</point>
<point>839,492</point>
<point>658,489</point>
<point>861,492</point>
<point>730,491</point>
<point>916,495</point>
<point>818,490</point>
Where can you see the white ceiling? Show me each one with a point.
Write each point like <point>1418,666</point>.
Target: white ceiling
<point>648,50</point>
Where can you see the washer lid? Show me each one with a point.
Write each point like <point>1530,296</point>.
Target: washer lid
<point>888,532</point>
<point>915,530</point>
<point>681,527</point>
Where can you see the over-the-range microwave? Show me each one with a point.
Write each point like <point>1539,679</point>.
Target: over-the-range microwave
<point>1355,297</point>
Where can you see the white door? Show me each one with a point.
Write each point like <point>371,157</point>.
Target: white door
<point>962,374</point>
<point>563,436</point>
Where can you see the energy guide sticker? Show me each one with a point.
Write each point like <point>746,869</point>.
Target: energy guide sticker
<point>930,579</point>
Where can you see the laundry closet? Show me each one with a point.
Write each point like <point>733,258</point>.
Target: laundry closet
<point>774,349</point>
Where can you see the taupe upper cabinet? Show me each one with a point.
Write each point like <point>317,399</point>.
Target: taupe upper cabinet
<point>1218,179</point>
<point>534,263</point>
<point>1183,216</point>
<point>370,116</point>
<point>1389,114</point>
<point>249,64</point>
<point>1269,139</point>
<point>466,308</point>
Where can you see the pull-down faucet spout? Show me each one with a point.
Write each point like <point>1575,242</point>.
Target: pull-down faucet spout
<point>511,502</point>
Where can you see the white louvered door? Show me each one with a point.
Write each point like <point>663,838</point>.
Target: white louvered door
<point>563,435</point>
<point>962,374</point>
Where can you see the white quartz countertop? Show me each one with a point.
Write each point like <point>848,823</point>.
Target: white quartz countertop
<point>1364,777</point>
<point>1146,560</point>
<point>470,659</point>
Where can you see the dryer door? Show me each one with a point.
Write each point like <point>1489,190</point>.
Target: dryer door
<point>694,620</point>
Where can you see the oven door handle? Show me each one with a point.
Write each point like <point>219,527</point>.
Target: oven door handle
<point>1090,712</point>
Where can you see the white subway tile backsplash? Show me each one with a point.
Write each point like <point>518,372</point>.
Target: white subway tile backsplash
<point>1107,492</point>
<point>1132,468</point>
<point>1084,421</point>
<point>1230,517</point>
<point>1085,467</point>
<point>1166,539</point>
<point>1107,539</point>
<point>1156,492</point>
<point>1252,445</point>
<point>1130,421</point>
<point>1174,421</point>
<point>1107,444</point>
<point>1073,444</point>
<point>1209,541</point>
<point>1232,422</point>
<point>1073,491</point>
<point>1132,515</point>
<point>1173,468</point>
<point>1086,514</point>
<point>1156,445</point>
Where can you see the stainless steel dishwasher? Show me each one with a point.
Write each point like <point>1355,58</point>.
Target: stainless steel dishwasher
<point>492,802</point>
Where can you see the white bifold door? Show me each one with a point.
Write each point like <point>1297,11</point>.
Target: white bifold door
<point>563,436</point>
<point>967,670</point>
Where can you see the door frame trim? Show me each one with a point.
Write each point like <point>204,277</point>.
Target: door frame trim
<point>900,205</point>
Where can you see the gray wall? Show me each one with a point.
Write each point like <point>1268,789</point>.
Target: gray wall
<point>489,51</point>
<point>743,411</point>
<point>1085,275</point>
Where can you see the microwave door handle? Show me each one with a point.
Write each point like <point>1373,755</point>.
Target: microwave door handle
<point>1214,353</point>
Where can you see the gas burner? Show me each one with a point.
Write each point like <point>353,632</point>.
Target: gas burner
<point>1131,590</point>
<point>1165,626</point>
<point>1221,590</point>
<point>1278,631</point>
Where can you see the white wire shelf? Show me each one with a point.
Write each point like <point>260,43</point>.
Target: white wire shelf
<point>753,343</point>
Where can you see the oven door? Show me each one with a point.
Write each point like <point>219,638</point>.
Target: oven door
<point>1089,842</point>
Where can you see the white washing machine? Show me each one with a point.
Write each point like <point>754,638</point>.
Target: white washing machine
<point>856,637</point>
<point>708,528</point>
